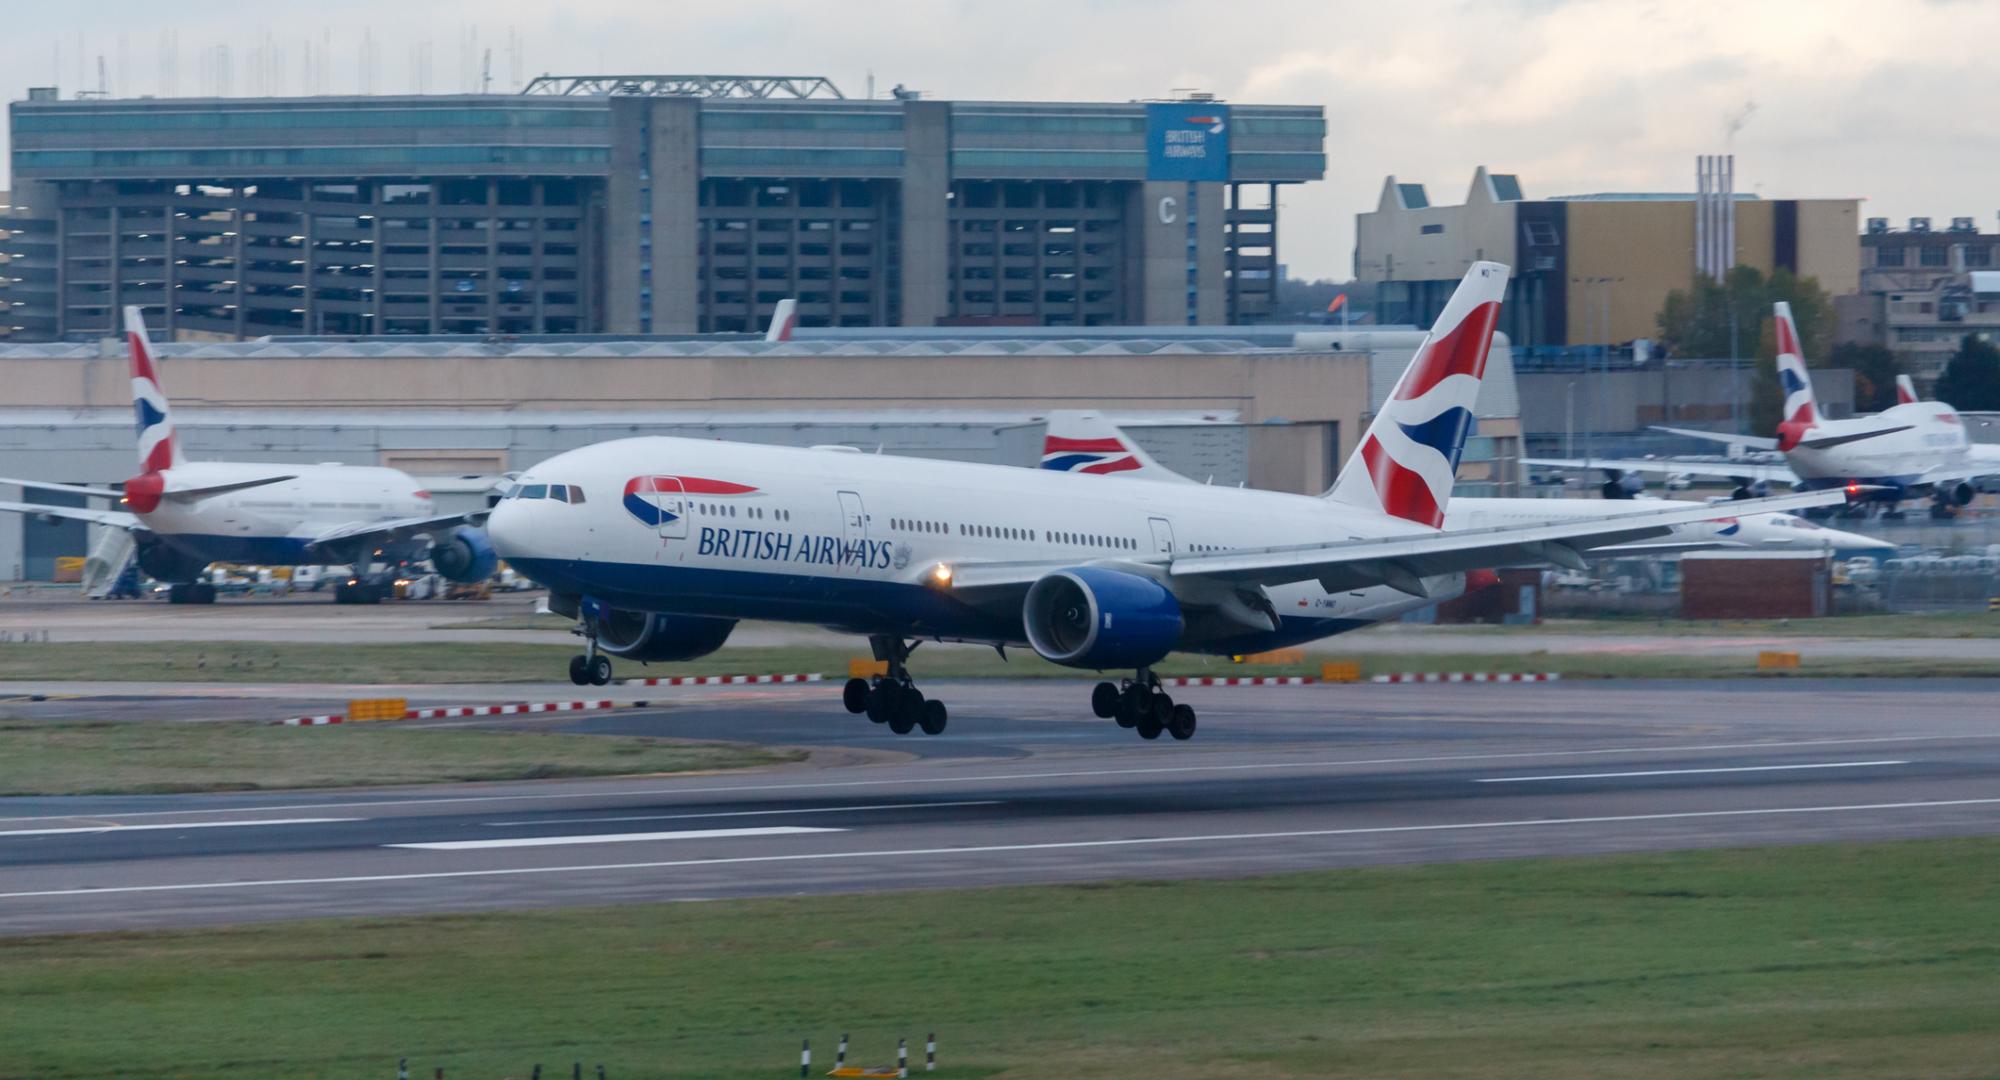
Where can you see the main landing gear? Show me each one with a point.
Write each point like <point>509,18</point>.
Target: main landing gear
<point>893,699</point>
<point>1140,703</point>
<point>593,668</point>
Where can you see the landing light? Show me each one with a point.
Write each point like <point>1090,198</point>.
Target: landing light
<point>941,574</point>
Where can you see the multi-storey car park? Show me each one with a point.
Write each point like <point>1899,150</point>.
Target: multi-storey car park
<point>634,205</point>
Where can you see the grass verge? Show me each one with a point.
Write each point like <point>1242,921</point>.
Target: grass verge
<point>1830,961</point>
<point>232,661</point>
<point>137,758</point>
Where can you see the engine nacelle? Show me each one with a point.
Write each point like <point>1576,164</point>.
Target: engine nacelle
<point>163,563</point>
<point>1624,486</point>
<point>1092,617</point>
<point>1963,493</point>
<point>647,637</point>
<point>465,556</point>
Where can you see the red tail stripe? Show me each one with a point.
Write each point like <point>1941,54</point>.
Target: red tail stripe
<point>1057,443</point>
<point>1404,494</point>
<point>1120,465</point>
<point>1461,351</point>
<point>142,360</point>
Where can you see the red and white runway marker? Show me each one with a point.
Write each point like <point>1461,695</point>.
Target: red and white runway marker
<point>1239,680</point>
<point>449,712</point>
<point>1468,676</point>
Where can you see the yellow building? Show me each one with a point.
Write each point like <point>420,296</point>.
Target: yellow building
<point>1588,269</point>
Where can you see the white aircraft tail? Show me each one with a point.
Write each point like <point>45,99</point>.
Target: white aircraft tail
<point>159,446</point>
<point>1906,390</point>
<point>1404,465</point>
<point>1085,442</point>
<point>1800,407</point>
<point>783,321</point>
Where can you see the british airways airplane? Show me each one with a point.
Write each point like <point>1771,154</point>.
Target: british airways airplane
<point>657,546</point>
<point>184,514</point>
<point>1912,448</point>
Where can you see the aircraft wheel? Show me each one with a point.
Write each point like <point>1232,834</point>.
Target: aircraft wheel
<point>579,670</point>
<point>600,671</point>
<point>1104,700</point>
<point>934,717</point>
<point>908,708</point>
<point>1181,727</point>
<point>1131,707</point>
<point>881,701</point>
<point>855,695</point>
<point>1150,726</point>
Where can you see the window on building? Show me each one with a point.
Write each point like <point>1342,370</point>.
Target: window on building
<point>1933,255</point>
<point>1888,256</point>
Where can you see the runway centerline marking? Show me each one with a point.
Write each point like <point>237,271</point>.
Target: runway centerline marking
<point>1688,772</point>
<point>1069,845</point>
<point>170,826</point>
<point>566,822</point>
<point>1065,774</point>
<point>608,838</point>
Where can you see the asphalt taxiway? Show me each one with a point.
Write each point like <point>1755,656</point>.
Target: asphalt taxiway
<point>1025,786</point>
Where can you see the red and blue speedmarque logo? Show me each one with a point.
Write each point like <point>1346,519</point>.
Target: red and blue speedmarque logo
<point>647,497</point>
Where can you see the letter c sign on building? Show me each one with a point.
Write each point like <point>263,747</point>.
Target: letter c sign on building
<point>1170,210</point>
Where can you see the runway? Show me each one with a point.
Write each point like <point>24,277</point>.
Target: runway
<point>1026,787</point>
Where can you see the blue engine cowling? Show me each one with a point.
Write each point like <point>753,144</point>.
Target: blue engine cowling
<point>647,636</point>
<point>1091,617</point>
<point>465,556</point>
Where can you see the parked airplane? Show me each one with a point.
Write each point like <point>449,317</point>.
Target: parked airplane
<point>1914,448</point>
<point>680,538</point>
<point>1086,442</point>
<point>184,514</point>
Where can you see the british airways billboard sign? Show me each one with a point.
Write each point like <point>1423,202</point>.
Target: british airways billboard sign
<point>1187,140</point>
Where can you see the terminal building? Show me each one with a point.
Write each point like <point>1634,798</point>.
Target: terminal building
<point>645,205</point>
<point>1589,270</point>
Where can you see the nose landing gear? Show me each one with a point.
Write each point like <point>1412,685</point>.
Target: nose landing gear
<point>593,668</point>
<point>894,699</point>
<point>1140,704</point>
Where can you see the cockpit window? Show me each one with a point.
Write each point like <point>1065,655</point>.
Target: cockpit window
<point>559,492</point>
<point>513,492</point>
<point>535,491</point>
<point>575,495</point>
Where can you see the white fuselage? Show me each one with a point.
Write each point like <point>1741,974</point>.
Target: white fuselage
<point>275,524</point>
<point>1935,438</point>
<point>1761,532</point>
<point>852,540</point>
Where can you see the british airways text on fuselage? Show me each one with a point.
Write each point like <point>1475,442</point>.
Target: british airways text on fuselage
<point>808,549</point>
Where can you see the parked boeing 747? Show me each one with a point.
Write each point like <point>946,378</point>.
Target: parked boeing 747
<point>184,515</point>
<point>657,546</point>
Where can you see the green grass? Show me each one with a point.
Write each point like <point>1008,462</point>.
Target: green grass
<point>158,758</point>
<point>1809,962</point>
<point>230,661</point>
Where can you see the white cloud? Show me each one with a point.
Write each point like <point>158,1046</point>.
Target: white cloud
<point>1884,99</point>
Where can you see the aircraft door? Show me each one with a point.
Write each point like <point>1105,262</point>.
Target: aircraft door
<point>671,500</point>
<point>1163,536</point>
<point>853,524</point>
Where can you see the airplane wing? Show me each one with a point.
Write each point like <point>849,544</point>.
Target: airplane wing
<point>116,519</point>
<point>1722,470</point>
<point>1401,562</point>
<point>383,532</point>
<point>177,494</point>
<point>1753,442</point>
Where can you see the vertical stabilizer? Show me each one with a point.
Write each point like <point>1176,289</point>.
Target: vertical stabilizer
<point>783,321</point>
<point>1906,390</point>
<point>1404,464</point>
<point>1800,407</point>
<point>159,446</point>
<point>1085,442</point>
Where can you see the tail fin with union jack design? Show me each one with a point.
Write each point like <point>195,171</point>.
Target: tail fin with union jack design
<point>1405,462</point>
<point>159,446</point>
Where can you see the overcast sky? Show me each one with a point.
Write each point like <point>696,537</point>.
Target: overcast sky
<point>1884,99</point>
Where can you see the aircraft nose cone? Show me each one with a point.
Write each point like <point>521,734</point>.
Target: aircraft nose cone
<point>506,526</point>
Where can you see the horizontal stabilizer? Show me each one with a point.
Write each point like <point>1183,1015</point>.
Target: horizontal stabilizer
<point>69,489</point>
<point>210,491</point>
<point>112,519</point>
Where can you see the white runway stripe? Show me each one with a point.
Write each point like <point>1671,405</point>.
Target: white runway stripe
<point>607,838</point>
<point>566,822</point>
<point>1688,772</point>
<point>993,849</point>
<point>171,827</point>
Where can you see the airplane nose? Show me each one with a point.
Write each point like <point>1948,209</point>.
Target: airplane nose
<point>506,526</point>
